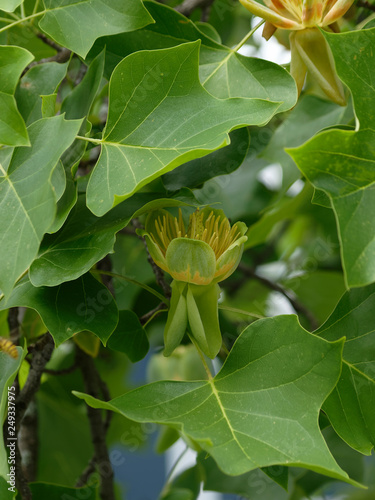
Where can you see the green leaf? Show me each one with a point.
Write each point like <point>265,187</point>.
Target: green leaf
<point>253,485</point>
<point>223,72</point>
<point>260,410</point>
<point>78,102</point>
<point>310,116</point>
<point>85,239</point>
<point>10,5</point>
<point>67,22</point>
<point>27,200</point>
<point>221,162</point>
<point>350,407</point>
<point>4,492</point>
<point>74,306</point>
<point>160,117</point>
<point>9,370</point>
<point>40,80</point>
<point>12,127</point>
<point>46,491</point>
<point>129,337</point>
<point>342,163</point>
<point>48,105</point>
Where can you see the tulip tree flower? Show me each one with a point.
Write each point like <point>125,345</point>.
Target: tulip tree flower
<point>310,51</point>
<point>198,258</point>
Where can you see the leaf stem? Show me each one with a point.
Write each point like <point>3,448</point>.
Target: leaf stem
<point>134,282</point>
<point>89,139</point>
<point>201,355</point>
<point>169,476</point>
<point>249,35</point>
<point>22,8</point>
<point>156,313</point>
<point>240,311</point>
<point>19,21</point>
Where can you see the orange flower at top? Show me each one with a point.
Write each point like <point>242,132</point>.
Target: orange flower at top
<point>299,14</point>
<point>309,48</point>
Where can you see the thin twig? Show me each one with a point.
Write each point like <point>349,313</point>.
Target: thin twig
<point>61,57</point>
<point>296,304</point>
<point>100,460</point>
<point>146,318</point>
<point>159,275</point>
<point>49,42</point>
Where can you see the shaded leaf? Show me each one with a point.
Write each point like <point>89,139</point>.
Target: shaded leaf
<point>9,369</point>
<point>351,405</point>
<point>260,410</point>
<point>220,162</point>
<point>129,337</point>
<point>27,200</point>
<point>160,117</point>
<point>12,127</point>
<point>46,491</point>
<point>78,102</point>
<point>66,22</point>
<point>74,306</point>
<point>40,80</point>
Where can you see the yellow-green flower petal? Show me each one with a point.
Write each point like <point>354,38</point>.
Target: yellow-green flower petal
<point>177,318</point>
<point>202,306</point>
<point>229,260</point>
<point>192,261</point>
<point>316,54</point>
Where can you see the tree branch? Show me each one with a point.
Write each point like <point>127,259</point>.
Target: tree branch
<point>188,6</point>
<point>60,57</point>
<point>297,305</point>
<point>98,427</point>
<point>366,5</point>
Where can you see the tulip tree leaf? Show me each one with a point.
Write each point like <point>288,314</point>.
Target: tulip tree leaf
<point>129,337</point>
<point>10,5</point>
<point>66,22</point>
<point>27,200</point>
<point>223,72</point>
<point>72,307</point>
<point>221,162</point>
<point>9,370</point>
<point>261,409</point>
<point>160,117</point>
<point>46,491</point>
<point>342,163</point>
<point>350,407</point>
<point>40,80</point>
<point>85,239</point>
<point>12,127</point>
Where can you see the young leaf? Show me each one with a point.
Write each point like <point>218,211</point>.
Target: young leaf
<point>260,410</point>
<point>160,117</point>
<point>74,306</point>
<point>27,200</point>
<point>12,127</point>
<point>77,24</point>
<point>350,407</point>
